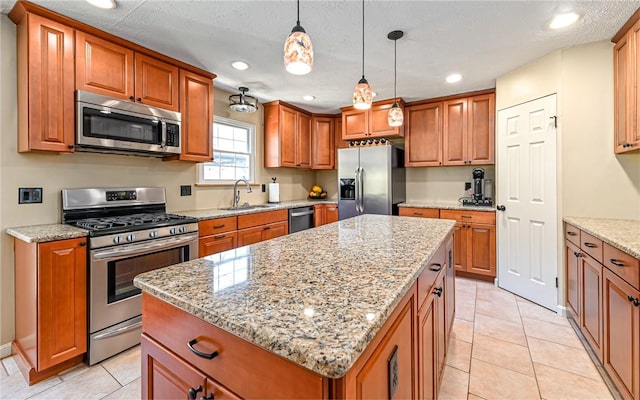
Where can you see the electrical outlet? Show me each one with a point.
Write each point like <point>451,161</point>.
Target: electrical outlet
<point>263,187</point>
<point>29,195</point>
<point>185,190</point>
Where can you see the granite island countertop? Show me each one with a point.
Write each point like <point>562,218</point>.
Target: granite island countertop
<point>316,297</point>
<point>623,234</point>
<point>446,205</point>
<point>211,213</point>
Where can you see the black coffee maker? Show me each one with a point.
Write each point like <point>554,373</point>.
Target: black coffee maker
<point>478,198</point>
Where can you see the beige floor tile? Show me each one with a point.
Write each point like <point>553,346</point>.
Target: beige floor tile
<point>462,330</point>
<point>465,295</point>
<point>485,285</point>
<point>499,329</point>
<point>474,397</point>
<point>465,310</point>
<point>493,382</point>
<point>74,371</point>
<point>503,354</point>
<point>125,367</point>
<point>459,354</point>
<point>534,311</point>
<point>507,311</point>
<point>94,383</point>
<point>562,357</point>
<point>3,372</point>
<point>132,391</point>
<point>558,384</point>
<point>455,384</point>
<point>495,295</point>
<point>10,365</point>
<point>551,332</point>
<point>15,386</point>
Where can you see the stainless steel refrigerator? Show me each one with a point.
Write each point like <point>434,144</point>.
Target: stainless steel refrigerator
<point>371,180</point>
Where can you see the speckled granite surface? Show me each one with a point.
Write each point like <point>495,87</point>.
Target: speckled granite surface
<point>211,213</point>
<point>623,234</point>
<point>46,233</point>
<point>315,297</point>
<point>443,204</point>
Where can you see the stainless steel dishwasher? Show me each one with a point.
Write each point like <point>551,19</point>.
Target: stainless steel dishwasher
<point>300,218</point>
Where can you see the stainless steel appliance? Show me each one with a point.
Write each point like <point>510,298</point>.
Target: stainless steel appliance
<point>129,233</point>
<point>301,218</point>
<point>480,190</point>
<point>111,125</point>
<point>371,180</point>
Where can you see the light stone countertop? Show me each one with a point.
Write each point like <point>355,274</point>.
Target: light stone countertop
<point>316,297</point>
<point>211,213</point>
<point>46,233</point>
<point>623,234</point>
<point>447,205</point>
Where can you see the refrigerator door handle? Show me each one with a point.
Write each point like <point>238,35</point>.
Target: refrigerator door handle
<point>361,190</point>
<point>357,185</point>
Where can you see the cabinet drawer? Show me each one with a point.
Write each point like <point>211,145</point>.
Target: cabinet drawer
<point>622,264</point>
<point>250,220</point>
<point>217,243</point>
<point>480,217</point>
<point>429,275</point>
<point>591,245</point>
<point>419,212</point>
<point>572,234</point>
<point>216,226</point>
<point>238,361</point>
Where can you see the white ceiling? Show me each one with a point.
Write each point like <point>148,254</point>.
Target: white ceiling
<point>479,39</point>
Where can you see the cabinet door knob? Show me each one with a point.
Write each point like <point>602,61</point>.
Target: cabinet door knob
<point>139,99</point>
<point>634,300</point>
<point>501,208</point>
<point>131,98</point>
<point>71,146</point>
<point>82,243</point>
<point>193,393</point>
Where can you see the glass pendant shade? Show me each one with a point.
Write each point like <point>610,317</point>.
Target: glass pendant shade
<point>362,95</point>
<point>298,52</point>
<point>395,116</point>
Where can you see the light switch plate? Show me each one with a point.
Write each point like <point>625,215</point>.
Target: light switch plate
<point>29,195</point>
<point>185,190</point>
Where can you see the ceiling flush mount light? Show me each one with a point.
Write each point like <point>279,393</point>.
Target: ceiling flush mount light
<point>243,102</point>
<point>362,94</point>
<point>298,50</point>
<point>453,78</point>
<point>395,116</point>
<point>309,97</point>
<point>106,4</point>
<point>240,65</point>
<point>563,20</point>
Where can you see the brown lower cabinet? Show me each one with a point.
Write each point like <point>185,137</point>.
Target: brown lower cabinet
<point>325,214</point>
<point>262,232</point>
<point>591,302</point>
<point>416,332</point>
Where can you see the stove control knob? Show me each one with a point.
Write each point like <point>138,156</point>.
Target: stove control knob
<point>173,231</point>
<point>182,229</point>
<point>131,237</point>
<point>153,234</point>
<point>117,239</point>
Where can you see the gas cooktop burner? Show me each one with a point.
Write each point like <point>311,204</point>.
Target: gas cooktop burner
<point>127,223</point>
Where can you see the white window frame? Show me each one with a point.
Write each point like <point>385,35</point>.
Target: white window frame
<point>252,151</point>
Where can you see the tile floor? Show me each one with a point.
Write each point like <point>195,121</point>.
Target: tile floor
<point>502,347</point>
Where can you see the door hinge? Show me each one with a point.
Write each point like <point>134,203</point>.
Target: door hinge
<point>555,121</point>
<point>556,281</point>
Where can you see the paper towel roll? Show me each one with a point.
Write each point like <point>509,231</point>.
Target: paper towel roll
<point>274,193</point>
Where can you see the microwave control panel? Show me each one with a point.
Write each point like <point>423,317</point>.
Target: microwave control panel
<point>173,135</point>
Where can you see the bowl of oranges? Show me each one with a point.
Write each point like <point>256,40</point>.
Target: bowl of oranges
<point>317,193</point>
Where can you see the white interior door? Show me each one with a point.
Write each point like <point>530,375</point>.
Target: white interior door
<point>526,188</point>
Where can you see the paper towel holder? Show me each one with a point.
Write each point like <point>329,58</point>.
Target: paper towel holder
<point>274,191</point>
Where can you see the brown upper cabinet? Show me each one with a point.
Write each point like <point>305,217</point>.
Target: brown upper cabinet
<point>196,107</point>
<point>626,73</point>
<point>287,136</point>
<point>371,123</point>
<point>323,151</point>
<point>45,83</point>
<point>423,141</point>
<point>111,70</point>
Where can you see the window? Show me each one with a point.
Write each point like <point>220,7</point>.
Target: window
<point>233,152</point>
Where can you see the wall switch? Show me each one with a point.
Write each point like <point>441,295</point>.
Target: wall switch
<point>467,185</point>
<point>29,195</point>
<point>185,190</point>
<point>263,187</point>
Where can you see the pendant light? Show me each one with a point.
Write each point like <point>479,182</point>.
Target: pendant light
<point>243,102</point>
<point>298,50</point>
<point>395,116</point>
<point>362,94</point>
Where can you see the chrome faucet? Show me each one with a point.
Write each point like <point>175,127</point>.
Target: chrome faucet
<point>236,192</point>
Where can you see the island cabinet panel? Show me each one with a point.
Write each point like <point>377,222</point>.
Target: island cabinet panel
<point>423,141</point>
<point>45,84</point>
<point>572,262</point>
<point>419,212</point>
<point>450,287</point>
<point>621,334</point>
<point>427,349</point>
<point>591,302</point>
<point>243,368</point>
<point>196,107</point>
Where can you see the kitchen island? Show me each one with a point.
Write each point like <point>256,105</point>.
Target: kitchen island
<point>358,308</point>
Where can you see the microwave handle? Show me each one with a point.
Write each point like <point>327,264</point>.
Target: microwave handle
<point>163,133</point>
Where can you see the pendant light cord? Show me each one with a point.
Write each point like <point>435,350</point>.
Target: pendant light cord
<point>362,39</point>
<point>298,21</point>
<point>395,68</point>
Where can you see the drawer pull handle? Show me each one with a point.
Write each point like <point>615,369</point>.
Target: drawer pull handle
<point>417,213</point>
<point>266,228</point>
<point>438,291</point>
<point>193,393</point>
<point>590,245</point>
<point>435,267</point>
<point>634,300</point>
<point>466,216</point>
<point>219,237</point>
<point>218,226</point>
<point>617,263</point>
<point>208,356</point>
<point>572,233</point>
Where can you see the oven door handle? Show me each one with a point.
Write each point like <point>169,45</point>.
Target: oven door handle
<point>144,247</point>
<point>118,331</point>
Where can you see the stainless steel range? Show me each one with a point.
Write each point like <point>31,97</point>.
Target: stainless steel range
<point>129,233</point>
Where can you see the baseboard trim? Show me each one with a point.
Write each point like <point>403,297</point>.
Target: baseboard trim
<point>563,311</point>
<point>5,350</point>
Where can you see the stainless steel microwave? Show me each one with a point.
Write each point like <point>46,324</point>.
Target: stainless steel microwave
<point>108,125</point>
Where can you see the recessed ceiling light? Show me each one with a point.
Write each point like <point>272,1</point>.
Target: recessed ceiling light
<point>309,97</point>
<point>453,78</point>
<point>240,65</point>
<point>563,20</point>
<point>106,4</point>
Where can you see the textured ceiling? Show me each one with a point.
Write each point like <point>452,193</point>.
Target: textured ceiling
<point>479,39</point>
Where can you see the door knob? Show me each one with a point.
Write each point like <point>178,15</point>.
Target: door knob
<point>501,208</point>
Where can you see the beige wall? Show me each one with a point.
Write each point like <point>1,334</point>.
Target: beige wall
<point>442,183</point>
<point>54,172</point>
